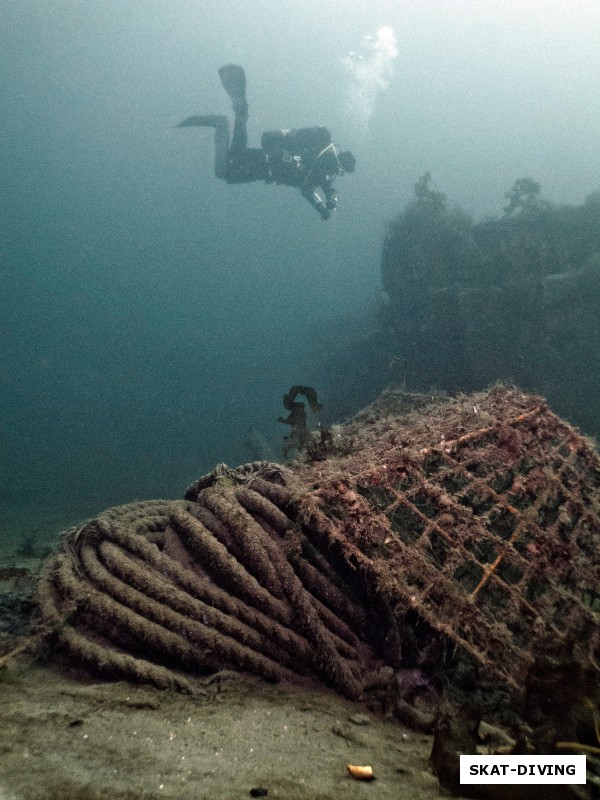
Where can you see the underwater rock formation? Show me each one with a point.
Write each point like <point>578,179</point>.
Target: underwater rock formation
<point>464,529</point>
<point>515,299</point>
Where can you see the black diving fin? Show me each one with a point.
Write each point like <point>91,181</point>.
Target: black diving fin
<point>233,79</point>
<point>208,121</point>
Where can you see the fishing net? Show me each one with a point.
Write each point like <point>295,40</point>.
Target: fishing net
<point>472,523</point>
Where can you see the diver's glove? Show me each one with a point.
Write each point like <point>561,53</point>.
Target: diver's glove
<point>324,212</point>
<point>332,202</point>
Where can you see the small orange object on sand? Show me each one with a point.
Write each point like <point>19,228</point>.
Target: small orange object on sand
<point>361,773</point>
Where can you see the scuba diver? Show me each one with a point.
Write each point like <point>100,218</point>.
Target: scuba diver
<point>305,158</point>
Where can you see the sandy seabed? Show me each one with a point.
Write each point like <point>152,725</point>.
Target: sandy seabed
<point>70,737</point>
<point>64,738</point>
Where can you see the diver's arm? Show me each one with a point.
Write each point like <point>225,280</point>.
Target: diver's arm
<point>320,175</point>
<point>316,201</point>
<point>330,195</point>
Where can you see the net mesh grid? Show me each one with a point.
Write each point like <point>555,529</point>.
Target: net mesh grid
<point>494,536</point>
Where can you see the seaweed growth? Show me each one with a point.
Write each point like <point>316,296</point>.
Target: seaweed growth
<point>301,436</point>
<point>523,197</point>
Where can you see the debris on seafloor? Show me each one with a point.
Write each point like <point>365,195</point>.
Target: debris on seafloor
<point>300,436</point>
<point>361,773</point>
<point>451,547</point>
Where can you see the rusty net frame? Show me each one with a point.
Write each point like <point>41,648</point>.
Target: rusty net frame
<point>493,536</point>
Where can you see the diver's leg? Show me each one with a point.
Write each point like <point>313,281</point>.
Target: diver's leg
<point>239,143</point>
<point>221,125</point>
<point>233,79</point>
<point>222,149</point>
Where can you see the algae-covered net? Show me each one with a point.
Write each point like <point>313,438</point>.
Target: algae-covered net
<point>476,518</point>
